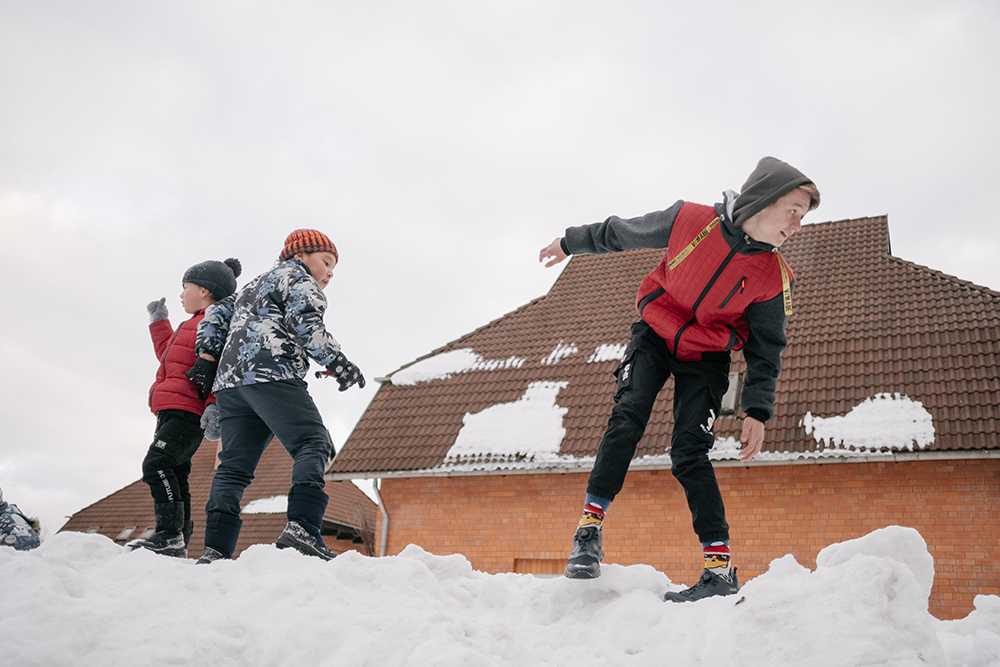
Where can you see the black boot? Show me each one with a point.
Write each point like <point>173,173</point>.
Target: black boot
<point>168,540</point>
<point>296,537</point>
<point>585,559</point>
<point>710,584</point>
<point>222,531</point>
<point>187,532</point>
<point>305,520</point>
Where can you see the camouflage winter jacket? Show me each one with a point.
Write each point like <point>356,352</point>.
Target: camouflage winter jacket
<point>268,330</point>
<point>15,529</point>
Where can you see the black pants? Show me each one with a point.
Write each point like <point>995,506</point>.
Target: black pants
<point>168,462</point>
<point>698,390</point>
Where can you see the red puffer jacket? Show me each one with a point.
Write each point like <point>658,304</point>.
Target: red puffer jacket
<point>175,350</point>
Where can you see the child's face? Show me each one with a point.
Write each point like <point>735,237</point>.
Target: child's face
<point>780,220</point>
<point>195,298</point>
<point>320,265</point>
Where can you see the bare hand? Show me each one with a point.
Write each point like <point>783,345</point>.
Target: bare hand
<point>553,250</point>
<point>752,438</point>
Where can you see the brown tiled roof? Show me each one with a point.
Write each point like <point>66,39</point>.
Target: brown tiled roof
<point>133,506</point>
<point>865,323</point>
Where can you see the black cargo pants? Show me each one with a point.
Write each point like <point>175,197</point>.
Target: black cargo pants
<point>698,390</point>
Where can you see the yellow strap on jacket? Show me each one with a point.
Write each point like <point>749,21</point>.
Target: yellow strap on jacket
<point>672,264</point>
<point>786,284</point>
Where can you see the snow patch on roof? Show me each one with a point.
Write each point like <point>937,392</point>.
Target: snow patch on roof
<point>272,505</point>
<point>560,352</point>
<point>607,352</point>
<point>885,422</point>
<point>443,366</point>
<point>527,429</point>
<point>527,434</point>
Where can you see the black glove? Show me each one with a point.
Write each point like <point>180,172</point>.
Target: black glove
<point>203,375</point>
<point>346,373</point>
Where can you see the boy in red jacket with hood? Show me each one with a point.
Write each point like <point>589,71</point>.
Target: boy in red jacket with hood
<point>721,286</point>
<point>185,413</point>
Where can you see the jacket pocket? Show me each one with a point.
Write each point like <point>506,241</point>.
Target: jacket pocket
<point>623,372</point>
<point>738,289</point>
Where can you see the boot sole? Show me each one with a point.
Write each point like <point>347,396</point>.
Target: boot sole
<point>581,573</point>
<point>286,542</point>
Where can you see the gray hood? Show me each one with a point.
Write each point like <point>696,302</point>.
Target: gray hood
<point>769,182</point>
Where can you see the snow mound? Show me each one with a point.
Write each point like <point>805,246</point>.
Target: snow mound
<point>83,600</point>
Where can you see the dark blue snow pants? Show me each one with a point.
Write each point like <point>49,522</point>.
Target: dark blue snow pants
<point>250,416</point>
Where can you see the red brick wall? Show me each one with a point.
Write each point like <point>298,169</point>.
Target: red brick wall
<point>525,522</point>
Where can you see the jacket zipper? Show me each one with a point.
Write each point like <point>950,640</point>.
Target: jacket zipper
<point>704,292</point>
<point>739,288</point>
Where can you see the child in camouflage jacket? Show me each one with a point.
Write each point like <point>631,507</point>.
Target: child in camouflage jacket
<point>254,350</point>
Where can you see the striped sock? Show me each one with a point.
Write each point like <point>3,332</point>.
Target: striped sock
<point>717,557</point>
<point>593,511</point>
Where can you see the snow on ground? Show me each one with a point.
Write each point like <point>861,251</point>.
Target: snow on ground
<point>82,600</point>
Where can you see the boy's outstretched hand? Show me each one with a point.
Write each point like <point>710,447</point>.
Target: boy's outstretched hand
<point>553,250</point>
<point>752,438</point>
<point>203,375</point>
<point>157,310</point>
<point>346,373</point>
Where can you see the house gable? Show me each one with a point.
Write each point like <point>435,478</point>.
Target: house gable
<point>867,327</point>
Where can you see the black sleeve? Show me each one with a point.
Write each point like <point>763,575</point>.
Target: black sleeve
<point>763,356</point>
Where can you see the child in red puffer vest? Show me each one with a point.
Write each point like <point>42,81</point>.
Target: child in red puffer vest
<point>185,414</point>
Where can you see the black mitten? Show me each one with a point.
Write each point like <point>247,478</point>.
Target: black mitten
<point>347,374</point>
<point>203,374</point>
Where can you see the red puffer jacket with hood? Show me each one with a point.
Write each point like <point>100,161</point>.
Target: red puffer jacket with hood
<point>172,390</point>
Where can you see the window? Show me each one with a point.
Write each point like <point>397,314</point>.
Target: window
<point>125,534</point>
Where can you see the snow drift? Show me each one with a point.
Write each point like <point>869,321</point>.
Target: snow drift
<point>82,600</point>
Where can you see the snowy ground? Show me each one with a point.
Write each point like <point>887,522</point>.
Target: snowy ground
<point>81,600</point>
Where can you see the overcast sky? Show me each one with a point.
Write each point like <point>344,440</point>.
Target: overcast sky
<point>440,145</point>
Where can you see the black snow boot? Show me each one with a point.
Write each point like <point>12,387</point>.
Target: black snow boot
<point>222,532</point>
<point>187,532</point>
<point>585,559</point>
<point>168,540</point>
<point>710,584</point>
<point>296,537</point>
<point>305,521</point>
<point>210,555</point>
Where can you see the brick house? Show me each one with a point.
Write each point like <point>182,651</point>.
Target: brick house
<point>888,413</point>
<point>127,513</point>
